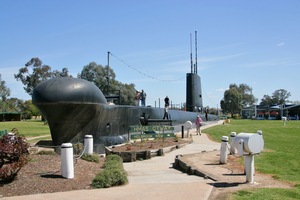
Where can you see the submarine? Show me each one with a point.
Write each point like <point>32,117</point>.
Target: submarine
<point>75,107</point>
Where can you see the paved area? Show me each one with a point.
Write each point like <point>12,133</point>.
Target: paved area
<point>152,179</point>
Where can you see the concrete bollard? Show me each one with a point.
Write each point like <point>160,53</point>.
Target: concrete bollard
<point>67,166</point>
<point>88,144</point>
<point>232,143</point>
<point>188,126</point>
<point>249,168</point>
<point>224,150</point>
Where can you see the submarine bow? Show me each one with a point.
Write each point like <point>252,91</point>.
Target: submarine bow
<point>69,105</point>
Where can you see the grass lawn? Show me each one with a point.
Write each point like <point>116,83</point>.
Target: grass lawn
<point>279,158</point>
<point>30,128</point>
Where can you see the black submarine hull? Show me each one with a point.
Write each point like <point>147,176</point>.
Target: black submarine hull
<point>75,107</point>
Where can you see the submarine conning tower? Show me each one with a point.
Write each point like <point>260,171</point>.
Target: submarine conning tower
<point>193,92</point>
<point>193,84</point>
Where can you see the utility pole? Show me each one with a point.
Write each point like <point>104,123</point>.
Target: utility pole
<point>107,73</point>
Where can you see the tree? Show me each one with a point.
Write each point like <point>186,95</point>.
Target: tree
<point>4,91</point>
<point>104,79</point>
<point>231,103</point>
<point>29,110</point>
<point>38,74</point>
<point>127,93</point>
<point>247,96</point>
<point>245,91</point>
<point>267,100</point>
<point>278,97</point>
<point>98,75</point>
<point>63,73</point>
<point>237,97</point>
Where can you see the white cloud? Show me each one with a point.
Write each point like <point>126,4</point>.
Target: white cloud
<point>280,44</point>
<point>220,58</point>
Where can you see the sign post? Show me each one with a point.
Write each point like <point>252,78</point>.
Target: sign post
<point>153,132</point>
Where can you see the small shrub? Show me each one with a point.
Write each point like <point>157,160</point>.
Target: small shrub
<point>114,157</point>
<point>13,156</point>
<point>78,148</point>
<point>90,157</point>
<point>46,153</point>
<point>113,173</point>
<point>176,138</point>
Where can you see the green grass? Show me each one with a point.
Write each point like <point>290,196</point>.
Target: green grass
<point>30,128</point>
<point>279,158</point>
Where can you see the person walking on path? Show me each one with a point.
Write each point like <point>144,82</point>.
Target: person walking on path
<point>143,98</point>
<point>198,124</point>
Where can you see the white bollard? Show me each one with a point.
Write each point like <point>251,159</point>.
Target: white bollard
<point>284,121</point>
<point>188,125</point>
<point>67,166</point>
<point>232,146</point>
<point>249,168</point>
<point>224,150</point>
<point>88,144</point>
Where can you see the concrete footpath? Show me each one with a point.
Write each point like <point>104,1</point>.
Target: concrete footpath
<point>151,179</point>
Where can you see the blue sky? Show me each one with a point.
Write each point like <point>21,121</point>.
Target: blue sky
<point>252,42</point>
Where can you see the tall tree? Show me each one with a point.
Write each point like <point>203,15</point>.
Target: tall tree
<point>245,91</point>
<point>98,75</point>
<point>267,100</point>
<point>104,79</point>
<point>278,97</point>
<point>237,97</point>
<point>39,72</point>
<point>231,102</point>
<point>4,90</point>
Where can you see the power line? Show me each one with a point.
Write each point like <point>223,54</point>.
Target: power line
<point>142,73</point>
<point>209,97</point>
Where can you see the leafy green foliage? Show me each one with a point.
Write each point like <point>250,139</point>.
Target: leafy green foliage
<point>39,72</point>
<point>237,97</point>
<point>278,97</point>
<point>90,157</point>
<point>78,148</point>
<point>13,156</point>
<point>4,91</point>
<point>104,79</point>
<point>113,173</point>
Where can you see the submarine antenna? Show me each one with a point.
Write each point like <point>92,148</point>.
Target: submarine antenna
<point>191,53</point>
<point>196,51</point>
